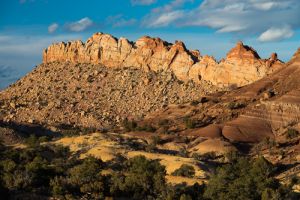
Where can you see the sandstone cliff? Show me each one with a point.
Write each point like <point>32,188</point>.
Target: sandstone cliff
<point>241,66</point>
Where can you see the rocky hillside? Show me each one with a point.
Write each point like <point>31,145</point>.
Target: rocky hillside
<point>265,113</point>
<point>91,95</point>
<point>241,66</point>
<point>162,101</point>
<point>89,85</point>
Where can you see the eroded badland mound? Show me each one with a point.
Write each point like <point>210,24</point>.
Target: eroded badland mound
<point>165,87</point>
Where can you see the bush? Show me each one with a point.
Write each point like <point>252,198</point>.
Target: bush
<point>205,157</point>
<point>190,123</point>
<point>291,133</point>
<point>235,105</point>
<point>155,140</point>
<point>133,126</point>
<point>183,152</point>
<point>44,139</point>
<point>146,127</point>
<point>194,103</point>
<point>32,141</point>
<point>83,179</point>
<point>243,178</point>
<point>142,178</point>
<point>185,197</point>
<point>129,125</point>
<point>185,170</point>
<point>269,142</point>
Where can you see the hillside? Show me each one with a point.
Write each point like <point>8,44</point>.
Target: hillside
<point>101,82</point>
<point>153,101</point>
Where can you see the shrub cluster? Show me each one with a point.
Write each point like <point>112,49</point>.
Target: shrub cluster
<point>243,178</point>
<point>185,171</point>
<point>291,133</point>
<point>235,105</point>
<point>52,171</point>
<point>130,125</point>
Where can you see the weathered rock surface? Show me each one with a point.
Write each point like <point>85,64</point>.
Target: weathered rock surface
<point>88,95</point>
<point>276,105</point>
<point>241,66</point>
<point>263,109</point>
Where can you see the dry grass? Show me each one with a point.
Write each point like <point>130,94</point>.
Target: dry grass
<point>170,162</point>
<point>104,147</point>
<point>179,179</point>
<point>95,144</point>
<point>212,145</point>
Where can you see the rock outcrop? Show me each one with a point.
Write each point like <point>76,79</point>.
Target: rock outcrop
<point>241,66</point>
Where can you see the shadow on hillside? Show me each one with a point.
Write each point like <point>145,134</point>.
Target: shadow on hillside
<point>25,130</point>
<point>243,147</point>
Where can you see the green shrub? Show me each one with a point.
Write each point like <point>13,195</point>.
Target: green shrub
<point>185,197</point>
<point>194,103</point>
<point>32,141</point>
<point>133,126</point>
<point>205,157</point>
<point>152,146</point>
<point>291,133</point>
<point>185,170</point>
<point>146,127</point>
<point>129,125</point>
<point>269,142</point>
<point>183,152</point>
<point>142,178</point>
<point>235,105</point>
<point>44,139</point>
<point>244,178</point>
<point>190,123</point>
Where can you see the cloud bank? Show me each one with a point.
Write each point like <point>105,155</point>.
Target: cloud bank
<point>269,20</point>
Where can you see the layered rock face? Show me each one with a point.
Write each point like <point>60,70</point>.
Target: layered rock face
<point>277,108</point>
<point>241,66</point>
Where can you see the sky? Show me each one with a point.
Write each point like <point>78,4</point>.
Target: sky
<point>211,26</point>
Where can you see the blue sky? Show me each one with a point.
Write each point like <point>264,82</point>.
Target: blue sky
<point>212,26</point>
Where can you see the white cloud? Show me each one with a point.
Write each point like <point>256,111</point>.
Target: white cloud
<point>246,18</point>
<point>22,52</point>
<point>166,14</point>
<point>166,18</point>
<point>270,4</point>
<point>119,21</point>
<point>173,4</point>
<point>143,2</point>
<point>275,34</point>
<point>80,25</point>
<point>53,27</point>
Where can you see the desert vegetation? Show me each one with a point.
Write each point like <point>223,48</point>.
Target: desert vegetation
<point>41,170</point>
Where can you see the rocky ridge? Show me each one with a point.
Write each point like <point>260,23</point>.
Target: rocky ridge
<point>241,66</point>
